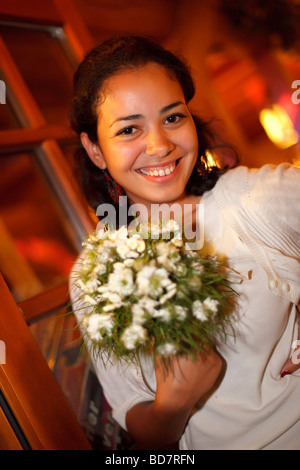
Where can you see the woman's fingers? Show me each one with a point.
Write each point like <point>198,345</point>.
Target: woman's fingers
<point>187,380</point>
<point>293,363</point>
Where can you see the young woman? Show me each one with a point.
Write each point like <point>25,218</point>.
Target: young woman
<point>139,139</point>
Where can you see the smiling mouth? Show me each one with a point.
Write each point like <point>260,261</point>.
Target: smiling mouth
<point>160,171</point>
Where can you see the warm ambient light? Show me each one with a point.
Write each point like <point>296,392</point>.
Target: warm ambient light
<point>211,160</point>
<point>296,161</point>
<point>278,126</point>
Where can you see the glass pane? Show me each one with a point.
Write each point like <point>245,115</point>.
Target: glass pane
<point>36,251</point>
<point>45,69</point>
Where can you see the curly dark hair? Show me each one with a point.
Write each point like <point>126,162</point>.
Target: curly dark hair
<point>110,57</point>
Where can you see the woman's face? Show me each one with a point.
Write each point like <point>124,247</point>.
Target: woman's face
<point>147,137</point>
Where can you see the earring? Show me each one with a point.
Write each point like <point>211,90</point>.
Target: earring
<point>114,189</point>
<point>201,168</point>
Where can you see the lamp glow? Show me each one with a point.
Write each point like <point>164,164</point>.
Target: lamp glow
<point>278,126</point>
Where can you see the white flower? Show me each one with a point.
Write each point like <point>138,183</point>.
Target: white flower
<point>123,250</point>
<point>126,249</point>
<point>133,335</point>
<point>180,269</point>
<point>170,226</point>
<point>122,233</point>
<point>104,255</point>
<point>199,310</point>
<point>143,279</point>
<point>168,249</point>
<point>100,269</point>
<point>100,234</point>
<point>197,267</point>
<point>154,231</point>
<point>178,242</point>
<point>164,261</point>
<point>86,266</point>
<point>95,322</point>
<point>138,314</point>
<point>108,244</point>
<point>140,246</point>
<point>119,234</point>
<point>167,349</point>
<point>111,307</point>
<point>168,255</point>
<point>152,281</point>
<point>91,285</point>
<point>211,305</point>
<point>118,266</point>
<point>136,243</point>
<point>163,313</point>
<point>114,298</point>
<point>121,282</point>
<point>146,304</point>
<point>181,312</point>
<point>132,243</point>
<point>171,291</point>
<point>129,262</point>
<point>164,248</point>
<point>90,300</point>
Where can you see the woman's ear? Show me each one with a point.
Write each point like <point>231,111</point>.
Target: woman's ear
<point>93,151</point>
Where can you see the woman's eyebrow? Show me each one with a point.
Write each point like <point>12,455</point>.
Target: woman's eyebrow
<point>139,116</point>
<point>167,108</point>
<point>127,118</point>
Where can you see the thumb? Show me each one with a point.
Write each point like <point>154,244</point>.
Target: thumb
<point>293,363</point>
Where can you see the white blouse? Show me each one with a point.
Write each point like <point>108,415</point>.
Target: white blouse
<point>251,406</point>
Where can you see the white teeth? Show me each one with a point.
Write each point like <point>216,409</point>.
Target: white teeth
<point>159,172</point>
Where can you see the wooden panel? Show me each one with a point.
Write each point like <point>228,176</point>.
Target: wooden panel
<point>108,17</point>
<point>29,387</point>
<point>75,28</point>
<point>42,305</point>
<point>23,279</point>
<point>34,10</point>
<point>20,138</point>
<point>8,439</point>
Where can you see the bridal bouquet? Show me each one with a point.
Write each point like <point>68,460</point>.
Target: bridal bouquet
<point>150,295</point>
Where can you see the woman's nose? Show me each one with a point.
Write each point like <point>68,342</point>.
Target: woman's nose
<point>158,144</point>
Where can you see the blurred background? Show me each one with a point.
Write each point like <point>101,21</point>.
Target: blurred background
<point>245,61</point>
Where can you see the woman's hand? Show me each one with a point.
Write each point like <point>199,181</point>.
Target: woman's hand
<point>161,422</point>
<point>293,363</point>
<point>187,380</point>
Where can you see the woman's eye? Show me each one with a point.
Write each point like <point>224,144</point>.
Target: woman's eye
<point>127,131</point>
<point>174,118</point>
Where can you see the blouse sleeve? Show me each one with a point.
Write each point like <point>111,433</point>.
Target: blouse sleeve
<point>263,207</point>
<point>124,385</point>
<point>275,192</point>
